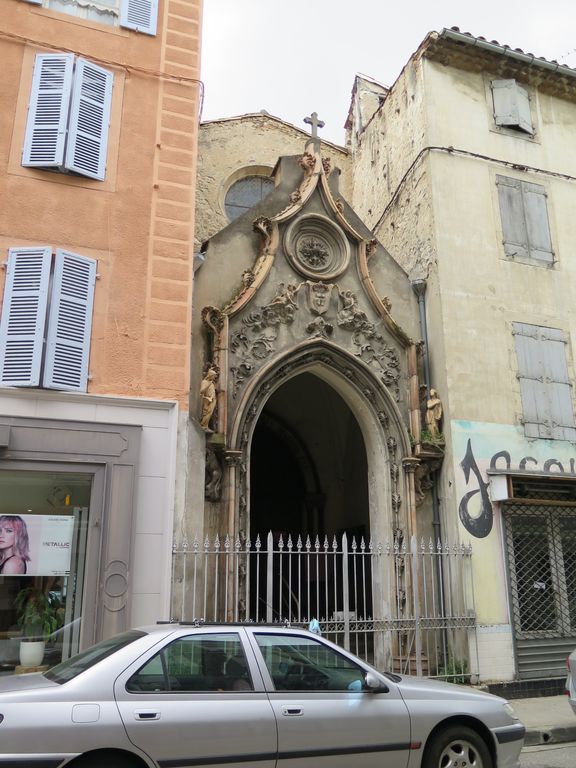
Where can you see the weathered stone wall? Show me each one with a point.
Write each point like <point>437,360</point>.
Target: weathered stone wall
<point>228,148</point>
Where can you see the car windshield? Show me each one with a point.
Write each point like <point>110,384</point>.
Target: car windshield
<point>79,663</point>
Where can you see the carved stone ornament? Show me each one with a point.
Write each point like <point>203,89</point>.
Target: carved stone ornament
<point>316,247</point>
<point>213,477</point>
<point>329,309</point>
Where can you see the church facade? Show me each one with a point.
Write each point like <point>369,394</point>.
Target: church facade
<point>382,339</point>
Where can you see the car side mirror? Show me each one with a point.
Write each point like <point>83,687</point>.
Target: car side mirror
<point>373,683</point>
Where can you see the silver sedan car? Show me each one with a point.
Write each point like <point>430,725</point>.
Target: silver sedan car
<point>176,696</point>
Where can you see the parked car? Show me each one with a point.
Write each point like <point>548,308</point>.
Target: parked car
<point>249,695</point>
<point>571,680</point>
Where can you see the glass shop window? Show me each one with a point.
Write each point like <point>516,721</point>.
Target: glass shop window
<point>43,533</point>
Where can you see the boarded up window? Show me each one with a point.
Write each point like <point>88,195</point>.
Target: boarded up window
<point>544,383</point>
<point>525,226</point>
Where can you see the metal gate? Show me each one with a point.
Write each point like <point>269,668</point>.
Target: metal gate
<point>406,606</point>
<point>541,547</point>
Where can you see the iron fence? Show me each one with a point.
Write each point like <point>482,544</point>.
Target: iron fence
<point>406,606</point>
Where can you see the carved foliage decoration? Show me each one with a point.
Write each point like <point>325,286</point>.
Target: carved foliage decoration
<point>316,247</point>
<point>324,309</point>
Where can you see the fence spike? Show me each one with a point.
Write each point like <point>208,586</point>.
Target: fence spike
<point>206,543</point>
<point>317,543</point>
<point>335,544</point>
<point>326,543</point>
<point>308,543</point>
<point>299,543</point>
<point>290,545</point>
<point>280,543</point>
<point>258,542</point>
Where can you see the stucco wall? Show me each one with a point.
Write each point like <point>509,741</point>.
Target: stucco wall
<point>139,222</point>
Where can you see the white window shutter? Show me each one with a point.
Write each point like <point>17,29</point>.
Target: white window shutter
<point>34,2</point>
<point>70,322</point>
<point>45,135</point>
<point>511,105</point>
<point>87,144</point>
<point>141,15</point>
<point>24,316</point>
<point>514,233</point>
<point>537,224</point>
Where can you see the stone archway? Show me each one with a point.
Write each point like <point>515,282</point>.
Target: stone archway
<point>390,491</point>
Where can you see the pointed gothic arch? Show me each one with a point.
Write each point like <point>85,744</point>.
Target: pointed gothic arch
<point>390,490</point>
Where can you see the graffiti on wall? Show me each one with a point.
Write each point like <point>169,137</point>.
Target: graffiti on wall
<point>479,523</point>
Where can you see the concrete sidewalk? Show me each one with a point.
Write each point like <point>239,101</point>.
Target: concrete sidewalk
<point>548,719</point>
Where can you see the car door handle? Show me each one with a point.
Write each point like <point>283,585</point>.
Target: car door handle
<point>291,710</point>
<point>146,714</point>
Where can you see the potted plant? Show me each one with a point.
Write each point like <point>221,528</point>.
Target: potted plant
<point>39,614</point>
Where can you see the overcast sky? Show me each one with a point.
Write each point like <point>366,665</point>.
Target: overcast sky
<point>293,57</point>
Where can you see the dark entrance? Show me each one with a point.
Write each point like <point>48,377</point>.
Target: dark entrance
<point>308,484</point>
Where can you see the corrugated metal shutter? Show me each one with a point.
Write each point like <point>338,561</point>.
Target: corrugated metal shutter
<point>24,316</point>
<point>70,323</point>
<point>89,120</point>
<point>45,135</point>
<point>544,382</point>
<point>511,105</point>
<point>141,15</point>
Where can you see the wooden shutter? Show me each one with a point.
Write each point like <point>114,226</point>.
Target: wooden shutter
<point>514,232</point>
<point>544,383</point>
<point>525,225</point>
<point>89,120</point>
<point>511,105</point>
<point>45,135</point>
<point>537,225</point>
<point>70,322</point>
<point>24,316</point>
<point>141,15</point>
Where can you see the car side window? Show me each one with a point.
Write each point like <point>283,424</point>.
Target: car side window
<point>306,664</point>
<point>195,663</point>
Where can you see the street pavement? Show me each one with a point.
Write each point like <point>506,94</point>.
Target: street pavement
<point>550,756</point>
<point>549,720</point>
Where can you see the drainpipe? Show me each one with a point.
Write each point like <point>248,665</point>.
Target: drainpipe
<point>419,288</point>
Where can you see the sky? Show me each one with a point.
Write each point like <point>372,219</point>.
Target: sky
<point>295,57</point>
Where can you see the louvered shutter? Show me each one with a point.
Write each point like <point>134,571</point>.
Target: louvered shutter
<point>45,135</point>
<point>24,316</point>
<point>514,232</point>
<point>511,105</point>
<point>89,120</point>
<point>70,322</point>
<point>141,15</point>
<point>537,226</point>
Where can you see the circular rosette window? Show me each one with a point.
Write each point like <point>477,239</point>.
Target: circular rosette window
<point>316,247</point>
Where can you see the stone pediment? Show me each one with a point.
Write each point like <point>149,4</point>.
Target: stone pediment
<point>309,282</point>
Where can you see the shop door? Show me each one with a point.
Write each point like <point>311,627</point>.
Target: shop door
<point>541,548</point>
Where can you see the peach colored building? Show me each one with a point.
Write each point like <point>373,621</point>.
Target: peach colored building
<point>98,135</point>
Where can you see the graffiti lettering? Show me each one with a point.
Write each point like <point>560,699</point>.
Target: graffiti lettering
<point>480,525</point>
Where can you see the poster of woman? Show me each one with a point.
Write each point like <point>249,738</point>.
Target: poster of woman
<point>35,545</point>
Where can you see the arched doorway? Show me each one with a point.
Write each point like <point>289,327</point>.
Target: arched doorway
<point>309,487</point>
<point>308,467</point>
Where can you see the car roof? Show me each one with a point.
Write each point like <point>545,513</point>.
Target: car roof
<point>163,626</point>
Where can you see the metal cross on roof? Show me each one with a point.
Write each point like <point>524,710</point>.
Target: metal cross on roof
<point>315,123</point>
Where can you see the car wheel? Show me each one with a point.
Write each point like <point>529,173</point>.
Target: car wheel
<point>457,747</point>
<point>106,760</point>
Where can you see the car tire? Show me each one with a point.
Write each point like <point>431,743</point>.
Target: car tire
<point>106,760</point>
<point>457,745</point>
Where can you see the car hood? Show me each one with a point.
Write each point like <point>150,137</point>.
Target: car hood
<point>12,683</point>
<point>421,688</point>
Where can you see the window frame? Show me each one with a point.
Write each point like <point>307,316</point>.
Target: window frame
<point>136,15</point>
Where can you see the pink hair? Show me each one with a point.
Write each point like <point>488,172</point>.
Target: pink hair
<point>21,541</point>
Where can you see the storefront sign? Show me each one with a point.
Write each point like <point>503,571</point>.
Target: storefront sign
<point>36,545</point>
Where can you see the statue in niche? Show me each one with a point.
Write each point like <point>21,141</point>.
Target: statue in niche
<point>213,477</point>
<point>208,397</point>
<point>433,413</point>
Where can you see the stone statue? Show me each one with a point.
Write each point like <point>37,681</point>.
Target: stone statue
<point>208,397</point>
<point>433,413</point>
<point>213,477</point>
